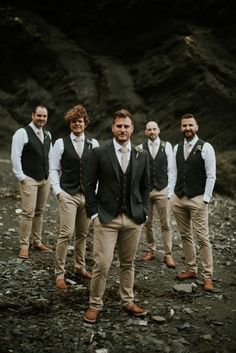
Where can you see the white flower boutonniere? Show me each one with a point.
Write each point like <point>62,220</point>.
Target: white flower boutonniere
<point>90,143</point>
<point>138,149</point>
<point>198,148</point>
<point>46,133</point>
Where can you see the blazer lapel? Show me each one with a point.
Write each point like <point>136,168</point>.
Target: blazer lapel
<point>110,151</point>
<point>134,164</point>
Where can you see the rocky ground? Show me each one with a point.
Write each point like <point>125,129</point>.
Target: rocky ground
<point>36,318</point>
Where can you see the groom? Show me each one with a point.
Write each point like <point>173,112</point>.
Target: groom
<point>117,211</point>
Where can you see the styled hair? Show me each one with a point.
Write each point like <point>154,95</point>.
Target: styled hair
<point>122,113</point>
<point>77,112</point>
<point>188,116</point>
<point>38,106</point>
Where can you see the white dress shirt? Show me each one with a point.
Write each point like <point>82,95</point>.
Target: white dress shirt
<point>118,152</point>
<point>19,140</point>
<point>55,161</point>
<point>208,155</point>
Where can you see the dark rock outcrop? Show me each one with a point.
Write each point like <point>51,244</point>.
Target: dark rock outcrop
<point>159,62</point>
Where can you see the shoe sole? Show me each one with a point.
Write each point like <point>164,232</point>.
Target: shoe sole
<point>169,266</point>
<point>89,321</point>
<point>23,257</point>
<point>136,315</point>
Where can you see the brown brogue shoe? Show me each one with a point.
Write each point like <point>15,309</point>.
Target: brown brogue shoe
<point>24,254</point>
<point>135,310</point>
<point>91,315</point>
<point>41,247</point>
<point>187,275</point>
<point>61,284</point>
<point>169,261</point>
<point>208,285</point>
<point>86,275</point>
<point>148,256</point>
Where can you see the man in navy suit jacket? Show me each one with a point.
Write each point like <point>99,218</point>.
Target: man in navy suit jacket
<point>118,209</point>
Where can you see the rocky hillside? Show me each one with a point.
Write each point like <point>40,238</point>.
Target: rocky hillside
<point>157,58</point>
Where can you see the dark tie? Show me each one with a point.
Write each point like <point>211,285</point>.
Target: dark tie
<point>124,158</point>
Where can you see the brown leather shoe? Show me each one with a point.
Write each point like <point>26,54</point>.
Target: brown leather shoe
<point>41,247</point>
<point>187,275</point>
<point>135,310</point>
<point>24,254</point>
<point>207,285</point>
<point>91,315</point>
<point>86,275</point>
<point>83,274</point>
<point>148,256</point>
<point>169,261</point>
<point>61,284</point>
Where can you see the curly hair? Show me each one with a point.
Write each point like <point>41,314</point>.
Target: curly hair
<point>77,112</point>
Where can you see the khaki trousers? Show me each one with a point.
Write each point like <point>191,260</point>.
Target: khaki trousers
<point>34,195</point>
<point>159,200</point>
<point>193,213</point>
<point>73,221</point>
<point>124,233</point>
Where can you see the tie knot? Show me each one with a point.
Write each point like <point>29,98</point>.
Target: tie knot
<point>123,149</point>
<point>78,139</point>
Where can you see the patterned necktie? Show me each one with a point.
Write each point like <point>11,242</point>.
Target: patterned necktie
<point>187,147</point>
<point>79,148</point>
<point>40,135</point>
<point>124,158</point>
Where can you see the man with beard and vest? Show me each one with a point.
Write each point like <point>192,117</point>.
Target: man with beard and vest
<point>71,159</point>
<point>161,169</point>
<point>30,152</point>
<point>195,175</point>
<point>117,210</point>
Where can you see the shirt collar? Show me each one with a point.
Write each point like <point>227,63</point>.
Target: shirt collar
<point>192,142</point>
<point>75,138</point>
<point>35,129</point>
<point>155,142</point>
<point>118,146</point>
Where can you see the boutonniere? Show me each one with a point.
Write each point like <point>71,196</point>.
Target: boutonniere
<point>90,143</point>
<point>198,148</point>
<point>46,133</point>
<point>138,149</point>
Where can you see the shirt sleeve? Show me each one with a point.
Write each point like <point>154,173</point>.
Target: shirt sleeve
<point>55,165</point>
<point>208,155</point>
<point>19,139</point>
<point>169,154</point>
<point>173,173</point>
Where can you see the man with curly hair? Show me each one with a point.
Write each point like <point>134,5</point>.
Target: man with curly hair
<point>71,159</point>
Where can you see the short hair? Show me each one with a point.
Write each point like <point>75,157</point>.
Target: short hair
<point>122,113</point>
<point>77,112</point>
<point>39,106</point>
<point>187,116</point>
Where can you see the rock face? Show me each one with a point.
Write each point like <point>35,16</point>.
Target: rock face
<point>158,62</point>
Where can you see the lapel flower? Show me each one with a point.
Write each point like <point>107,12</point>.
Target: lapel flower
<point>46,133</point>
<point>90,143</point>
<point>138,149</point>
<point>198,148</point>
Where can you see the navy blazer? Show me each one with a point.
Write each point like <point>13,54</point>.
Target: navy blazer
<point>104,173</point>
